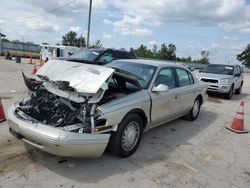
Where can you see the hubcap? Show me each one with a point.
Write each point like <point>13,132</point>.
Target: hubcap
<point>196,108</point>
<point>130,136</point>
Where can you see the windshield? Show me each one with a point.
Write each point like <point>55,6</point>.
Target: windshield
<point>143,73</point>
<point>89,55</point>
<point>220,69</point>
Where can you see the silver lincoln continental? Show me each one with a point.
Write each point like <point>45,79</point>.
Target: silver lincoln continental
<point>78,110</point>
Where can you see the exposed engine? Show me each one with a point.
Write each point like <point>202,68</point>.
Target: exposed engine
<point>56,111</point>
<point>51,109</point>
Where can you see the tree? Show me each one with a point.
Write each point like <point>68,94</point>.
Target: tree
<point>81,42</point>
<point>167,52</point>
<point>97,44</point>
<point>244,56</point>
<point>184,59</point>
<point>5,40</point>
<point>142,51</point>
<point>204,57</point>
<point>70,39</point>
<point>154,50</point>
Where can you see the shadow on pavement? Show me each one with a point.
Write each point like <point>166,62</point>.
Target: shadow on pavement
<point>235,97</point>
<point>156,146</point>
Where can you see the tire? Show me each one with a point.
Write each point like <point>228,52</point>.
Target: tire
<point>230,93</point>
<point>238,91</point>
<point>194,112</point>
<point>119,143</point>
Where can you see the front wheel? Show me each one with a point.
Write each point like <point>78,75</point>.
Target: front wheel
<point>194,112</point>
<point>126,140</point>
<point>238,91</point>
<point>230,93</point>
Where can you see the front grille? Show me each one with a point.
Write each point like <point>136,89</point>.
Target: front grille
<point>209,80</point>
<point>214,88</point>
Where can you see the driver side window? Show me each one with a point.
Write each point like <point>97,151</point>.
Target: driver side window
<point>166,77</point>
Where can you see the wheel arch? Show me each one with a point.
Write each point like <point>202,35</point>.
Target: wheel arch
<point>140,113</point>
<point>200,97</point>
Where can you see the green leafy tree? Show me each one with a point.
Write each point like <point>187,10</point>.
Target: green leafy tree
<point>155,50</point>
<point>70,39</point>
<point>168,52</point>
<point>97,44</point>
<point>81,42</point>
<point>142,51</point>
<point>184,59</point>
<point>244,56</point>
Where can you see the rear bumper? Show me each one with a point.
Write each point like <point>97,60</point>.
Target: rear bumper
<point>55,140</point>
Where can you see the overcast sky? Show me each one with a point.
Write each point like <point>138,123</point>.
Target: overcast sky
<point>220,26</point>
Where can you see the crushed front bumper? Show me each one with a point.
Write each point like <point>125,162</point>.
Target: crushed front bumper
<point>55,140</point>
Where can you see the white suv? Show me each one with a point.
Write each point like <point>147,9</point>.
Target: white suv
<point>223,78</point>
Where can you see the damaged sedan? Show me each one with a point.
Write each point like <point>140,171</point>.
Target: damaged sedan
<point>79,110</point>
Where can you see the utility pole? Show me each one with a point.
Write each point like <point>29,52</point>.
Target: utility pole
<point>89,20</point>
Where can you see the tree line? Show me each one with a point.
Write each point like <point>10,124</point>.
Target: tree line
<point>244,56</point>
<point>165,52</point>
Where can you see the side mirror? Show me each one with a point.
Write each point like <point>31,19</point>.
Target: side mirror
<point>238,74</point>
<point>160,88</point>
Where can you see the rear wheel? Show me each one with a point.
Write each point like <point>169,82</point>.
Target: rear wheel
<point>238,91</point>
<point>194,112</point>
<point>230,93</point>
<point>126,140</point>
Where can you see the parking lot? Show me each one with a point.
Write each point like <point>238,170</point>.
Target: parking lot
<point>178,154</point>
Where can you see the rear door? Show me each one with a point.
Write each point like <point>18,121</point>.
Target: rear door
<point>186,90</point>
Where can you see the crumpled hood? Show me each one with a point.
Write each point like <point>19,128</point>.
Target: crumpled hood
<point>215,76</point>
<point>84,78</point>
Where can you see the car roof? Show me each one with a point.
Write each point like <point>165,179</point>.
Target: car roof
<point>108,49</point>
<point>152,62</point>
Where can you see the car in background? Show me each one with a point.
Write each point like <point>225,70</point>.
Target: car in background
<point>80,109</point>
<point>223,79</point>
<point>99,56</point>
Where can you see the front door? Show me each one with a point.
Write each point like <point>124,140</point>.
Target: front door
<point>164,104</point>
